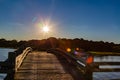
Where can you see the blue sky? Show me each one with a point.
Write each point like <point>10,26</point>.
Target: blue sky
<point>89,19</point>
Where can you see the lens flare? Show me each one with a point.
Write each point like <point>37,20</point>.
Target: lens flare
<point>68,50</point>
<point>45,29</point>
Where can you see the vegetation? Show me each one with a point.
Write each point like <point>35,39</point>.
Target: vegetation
<point>63,44</point>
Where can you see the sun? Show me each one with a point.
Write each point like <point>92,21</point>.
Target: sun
<point>45,29</point>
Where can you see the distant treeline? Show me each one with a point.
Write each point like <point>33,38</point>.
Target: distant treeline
<point>62,43</point>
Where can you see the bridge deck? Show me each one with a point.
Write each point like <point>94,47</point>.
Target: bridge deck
<point>42,66</point>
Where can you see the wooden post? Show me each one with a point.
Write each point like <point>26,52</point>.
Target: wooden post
<point>11,59</point>
<point>11,70</point>
<point>10,75</point>
<point>88,73</point>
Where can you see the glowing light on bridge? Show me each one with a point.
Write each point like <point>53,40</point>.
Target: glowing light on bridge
<point>89,60</point>
<point>77,49</point>
<point>68,50</point>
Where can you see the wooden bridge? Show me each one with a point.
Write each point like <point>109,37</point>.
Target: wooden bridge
<point>26,64</point>
<point>42,66</point>
<point>34,65</point>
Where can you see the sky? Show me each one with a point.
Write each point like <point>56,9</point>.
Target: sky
<point>89,19</point>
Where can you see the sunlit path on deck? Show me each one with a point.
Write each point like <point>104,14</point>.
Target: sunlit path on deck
<point>42,66</point>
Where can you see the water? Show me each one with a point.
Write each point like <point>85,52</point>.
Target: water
<point>107,59</point>
<point>107,75</point>
<point>3,57</point>
<point>4,53</point>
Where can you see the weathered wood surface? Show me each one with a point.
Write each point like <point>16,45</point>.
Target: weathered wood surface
<point>42,66</point>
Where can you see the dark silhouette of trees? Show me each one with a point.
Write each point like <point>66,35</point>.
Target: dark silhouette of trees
<point>52,42</point>
<point>65,43</point>
<point>8,43</point>
<point>62,43</point>
<point>20,43</point>
<point>43,44</point>
<point>12,43</point>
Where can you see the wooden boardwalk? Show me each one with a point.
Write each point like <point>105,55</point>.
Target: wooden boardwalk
<point>42,66</point>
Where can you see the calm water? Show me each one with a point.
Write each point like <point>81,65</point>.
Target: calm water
<point>4,53</point>
<point>3,57</point>
<point>107,59</point>
<point>106,76</point>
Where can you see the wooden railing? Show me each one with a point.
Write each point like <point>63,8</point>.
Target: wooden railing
<point>87,69</point>
<point>14,61</point>
<point>102,63</point>
<point>19,59</point>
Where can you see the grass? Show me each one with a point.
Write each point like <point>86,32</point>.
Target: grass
<point>103,53</point>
